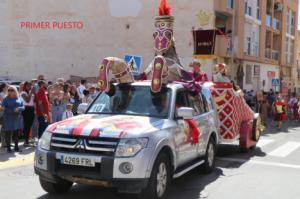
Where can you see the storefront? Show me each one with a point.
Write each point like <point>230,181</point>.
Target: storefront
<point>258,76</point>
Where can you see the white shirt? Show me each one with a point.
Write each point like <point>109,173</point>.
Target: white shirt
<point>221,78</point>
<point>87,100</point>
<point>67,114</point>
<point>80,90</point>
<point>31,102</point>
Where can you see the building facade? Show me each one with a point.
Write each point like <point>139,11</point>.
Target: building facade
<point>110,28</point>
<point>264,41</point>
<point>258,40</point>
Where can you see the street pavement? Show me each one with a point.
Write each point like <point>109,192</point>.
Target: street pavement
<point>270,171</point>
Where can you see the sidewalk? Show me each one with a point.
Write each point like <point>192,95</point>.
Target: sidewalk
<point>10,160</point>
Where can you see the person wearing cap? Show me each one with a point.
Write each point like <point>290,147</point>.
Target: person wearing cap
<point>220,73</point>
<point>197,74</point>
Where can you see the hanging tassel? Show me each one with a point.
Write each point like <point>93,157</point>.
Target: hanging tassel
<point>194,132</point>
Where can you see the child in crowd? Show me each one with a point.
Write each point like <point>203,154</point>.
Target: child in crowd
<point>68,112</point>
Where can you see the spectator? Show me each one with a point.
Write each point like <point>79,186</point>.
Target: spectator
<point>28,114</point>
<point>87,98</point>
<point>56,101</point>
<point>74,99</point>
<point>66,95</point>
<point>12,119</point>
<point>270,100</point>
<point>3,93</point>
<point>81,88</point>
<point>42,108</point>
<point>68,112</point>
<point>93,92</point>
<point>292,105</point>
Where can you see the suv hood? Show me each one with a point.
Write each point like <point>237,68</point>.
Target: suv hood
<point>107,126</point>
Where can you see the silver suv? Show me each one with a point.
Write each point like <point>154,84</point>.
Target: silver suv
<point>130,139</point>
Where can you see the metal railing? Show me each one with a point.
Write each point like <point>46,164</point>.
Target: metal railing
<point>268,53</point>
<point>275,55</point>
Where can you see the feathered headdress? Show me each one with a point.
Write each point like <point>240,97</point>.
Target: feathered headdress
<point>164,8</point>
<point>164,18</point>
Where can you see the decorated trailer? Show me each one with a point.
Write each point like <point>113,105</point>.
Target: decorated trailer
<point>238,122</point>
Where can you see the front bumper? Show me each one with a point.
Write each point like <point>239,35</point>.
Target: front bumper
<point>105,173</point>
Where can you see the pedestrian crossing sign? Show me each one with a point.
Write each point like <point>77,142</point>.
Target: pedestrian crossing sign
<point>135,63</point>
<point>275,82</point>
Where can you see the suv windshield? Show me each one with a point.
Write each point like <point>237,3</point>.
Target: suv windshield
<point>133,100</point>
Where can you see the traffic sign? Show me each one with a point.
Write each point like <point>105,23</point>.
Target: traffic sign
<point>135,63</point>
<point>275,82</point>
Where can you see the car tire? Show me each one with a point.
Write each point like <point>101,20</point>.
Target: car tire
<point>161,171</point>
<point>210,156</point>
<point>61,187</point>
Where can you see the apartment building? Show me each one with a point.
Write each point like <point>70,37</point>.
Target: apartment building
<point>263,41</point>
<point>297,69</point>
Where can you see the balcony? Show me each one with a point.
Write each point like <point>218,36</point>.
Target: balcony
<point>271,54</point>
<point>223,46</point>
<point>268,53</point>
<point>225,7</point>
<point>252,49</point>
<point>275,54</point>
<point>268,20</point>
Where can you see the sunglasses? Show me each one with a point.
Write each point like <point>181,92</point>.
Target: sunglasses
<point>11,90</point>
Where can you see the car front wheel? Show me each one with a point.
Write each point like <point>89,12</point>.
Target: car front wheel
<point>159,180</point>
<point>61,187</point>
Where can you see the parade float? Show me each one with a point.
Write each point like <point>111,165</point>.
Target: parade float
<point>237,121</point>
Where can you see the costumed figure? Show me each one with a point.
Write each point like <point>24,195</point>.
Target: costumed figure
<point>166,65</point>
<point>280,111</point>
<point>220,73</point>
<point>197,74</point>
<point>113,69</point>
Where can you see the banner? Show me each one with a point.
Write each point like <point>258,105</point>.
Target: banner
<point>204,42</point>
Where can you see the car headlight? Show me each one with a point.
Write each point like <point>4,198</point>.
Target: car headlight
<point>130,147</point>
<point>44,142</point>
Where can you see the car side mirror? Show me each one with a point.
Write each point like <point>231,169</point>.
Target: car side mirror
<point>82,108</point>
<point>185,112</point>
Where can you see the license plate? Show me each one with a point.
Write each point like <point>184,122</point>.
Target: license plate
<point>77,161</point>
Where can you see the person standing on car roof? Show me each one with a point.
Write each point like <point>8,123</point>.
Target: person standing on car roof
<point>197,74</point>
<point>220,73</point>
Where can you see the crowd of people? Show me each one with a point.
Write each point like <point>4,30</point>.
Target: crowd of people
<point>272,105</point>
<point>29,109</point>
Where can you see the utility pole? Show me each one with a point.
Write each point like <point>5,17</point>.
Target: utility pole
<point>232,39</point>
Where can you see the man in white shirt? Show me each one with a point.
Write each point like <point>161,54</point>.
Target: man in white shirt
<point>81,88</point>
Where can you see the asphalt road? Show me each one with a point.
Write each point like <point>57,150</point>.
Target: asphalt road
<point>271,171</point>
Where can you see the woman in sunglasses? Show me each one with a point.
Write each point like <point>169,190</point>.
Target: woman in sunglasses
<point>12,118</point>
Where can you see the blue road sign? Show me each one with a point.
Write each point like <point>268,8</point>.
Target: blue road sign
<point>135,62</point>
<point>275,82</point>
